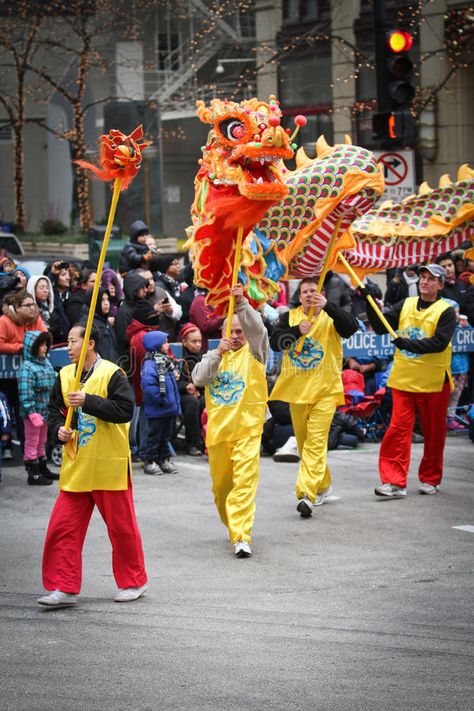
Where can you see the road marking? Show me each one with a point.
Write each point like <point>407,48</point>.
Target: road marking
<point>469,529</point>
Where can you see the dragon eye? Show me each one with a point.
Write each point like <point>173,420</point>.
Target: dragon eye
<point>232,129</point>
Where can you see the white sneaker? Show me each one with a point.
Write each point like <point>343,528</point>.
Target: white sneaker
<point>242,549</point>
<point>391,491</point>
<point>427,488</point>
<point>130,594</point>
<point>58,599</point>
<point>305,507</point>
<point>287,453</point>
<point>151,468</point>
<point>323,496</point>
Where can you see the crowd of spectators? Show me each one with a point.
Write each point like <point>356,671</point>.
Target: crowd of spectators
<point>154,293</point>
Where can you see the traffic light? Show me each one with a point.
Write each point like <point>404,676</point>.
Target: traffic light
<point>393,123</point>
<point>399,68</point>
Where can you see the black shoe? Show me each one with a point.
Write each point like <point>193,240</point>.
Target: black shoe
<point>167,467</point>
<point>34,476</point>
<point>194,452</point>
<point>44,471</point>
<point>305,507</point>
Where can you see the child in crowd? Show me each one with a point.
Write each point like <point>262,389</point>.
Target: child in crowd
<point>36,378</point>
<point>5,425</point>
<point>161,402</point>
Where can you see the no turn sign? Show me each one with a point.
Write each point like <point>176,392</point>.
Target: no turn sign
<point>399,173</point>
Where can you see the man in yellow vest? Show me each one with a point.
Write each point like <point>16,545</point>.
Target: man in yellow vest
<point>421,382</point>
<point>310,381</point>
<point>236,398</point>
<point>95,471</point>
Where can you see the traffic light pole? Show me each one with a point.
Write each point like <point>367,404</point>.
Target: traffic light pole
<point>380,30</point>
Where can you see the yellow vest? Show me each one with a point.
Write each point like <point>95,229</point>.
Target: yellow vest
<point>420,373</point>
<point>103,452</point>
<point>316,372</point>
<point>236,400</point>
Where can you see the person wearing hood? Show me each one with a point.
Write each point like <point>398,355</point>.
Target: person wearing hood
<point>134,289</point>
<point>36,378</point>
<point>107,346</point>
<point>136,253</point>
<point>161,402</point>
<point>22,274</point>
<point>110,280</point>
<point>41,289</point>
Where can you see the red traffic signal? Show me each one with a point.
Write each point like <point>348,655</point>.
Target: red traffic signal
<point>399,41</point>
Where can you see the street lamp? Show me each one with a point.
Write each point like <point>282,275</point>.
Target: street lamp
<point>220,69</point>
<point>149,154</point>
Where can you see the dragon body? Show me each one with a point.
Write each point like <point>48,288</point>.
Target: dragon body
<point>289,216</point>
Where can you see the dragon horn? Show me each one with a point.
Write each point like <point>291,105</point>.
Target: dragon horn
<point>347,139</point>
<point>302,158</point>
<point>322,147</point>
<point>203,112</point>
<point>465,172</point>
<point>424,189</point>
<point>445,181</point>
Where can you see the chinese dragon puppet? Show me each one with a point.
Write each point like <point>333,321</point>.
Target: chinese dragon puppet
<point>289,216</point>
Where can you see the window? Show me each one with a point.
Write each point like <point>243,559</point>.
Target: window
<point>300,10</point>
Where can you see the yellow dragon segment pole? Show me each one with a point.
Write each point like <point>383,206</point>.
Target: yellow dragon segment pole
<point>369,297</point>
<point>235,274</point>
<point>322,276</point>
<point>95,292</point>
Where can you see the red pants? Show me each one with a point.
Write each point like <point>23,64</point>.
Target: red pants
<point>62,556</point>
<point>394,457</point>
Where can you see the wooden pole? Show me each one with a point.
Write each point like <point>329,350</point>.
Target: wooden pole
<point>95,292</point>
<point>235,274</point>
<point>371,301</point>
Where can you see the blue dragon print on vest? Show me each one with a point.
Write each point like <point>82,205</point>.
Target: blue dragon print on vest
<point>85,428</point>
<point>414,333</point>
<point>227,388</point>
<point>310,356</point>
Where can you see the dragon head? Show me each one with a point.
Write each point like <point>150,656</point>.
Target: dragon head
<point>244,147</point>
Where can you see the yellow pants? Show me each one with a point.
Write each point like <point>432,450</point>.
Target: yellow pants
<point>311,423</point>
<point>234,470</point>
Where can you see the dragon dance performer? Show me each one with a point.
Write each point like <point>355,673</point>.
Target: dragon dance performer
<point>311,383</point>
<point>98,475</point>
<point>236,398</point>
<point>421,382</point>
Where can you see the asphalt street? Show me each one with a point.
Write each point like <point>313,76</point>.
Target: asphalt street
<point>368,605</point>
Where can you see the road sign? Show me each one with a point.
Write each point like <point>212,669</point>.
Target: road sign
<point>399,173</point>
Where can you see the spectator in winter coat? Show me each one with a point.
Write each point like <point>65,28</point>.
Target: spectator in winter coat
<point>162,302</point>
<point>205,318</point>
<point>22,274</point>
<point>61,281</point>
<point>137,253</point>
<point>192,397</point>
<point>22,315</point>
<point>169,270</point>
<point>134,287</point>
<point>111,281</point>
<point>41,290</point>
<point>77,299</point>
<point>188,294</point>
<point>107,346</point>
<point>161,402</point>
<point>36,378</point>
<point>404,283</point>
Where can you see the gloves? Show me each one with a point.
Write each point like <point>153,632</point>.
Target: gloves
<point>36,419</point>
<point>364,291</point>
<point>403,343</point>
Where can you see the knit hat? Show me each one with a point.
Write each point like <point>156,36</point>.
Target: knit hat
<point>164,262</point>
<point>153,340</point>
<point>25,271</point>
<point>187,328</point>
